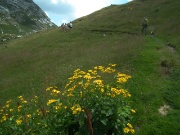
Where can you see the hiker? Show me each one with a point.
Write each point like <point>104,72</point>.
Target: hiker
<point>65,25</point>
<point>62,26</point>
<point>144,25</point>
<point>70,25</point>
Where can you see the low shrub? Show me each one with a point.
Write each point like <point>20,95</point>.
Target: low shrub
<point>93,102</point>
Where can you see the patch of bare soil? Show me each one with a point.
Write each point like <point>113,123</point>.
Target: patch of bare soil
<point>171,47</point>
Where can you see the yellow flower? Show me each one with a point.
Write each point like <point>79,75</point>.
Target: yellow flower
<point>24,101</point>
<point>20,97</point>
<point>129,95</point>
<point>51,101</point>
<point>108,94</point>
<point>98,82</point>
<point>113,95</point>
<point>18,121</point>
<point>76,70</point>
<point>7,102</point>
<point>28,115</point>
<point>76,108</point>
<point>82,72</point>
<point>55,92</point>
<point>67,85</point>
<point>49,88</point>
<point>113,89</point>
<point>88,76</point>
<point>133,111</point>
<point>121,80</point>
<point>90,71</point>
<point>80,83</point>
<point>58,106</point>
<point>76,76</point>
<point>126,130</point>
<point>102,90</point>
<point>70,95</point>
<point>132,131</point>
<point>4,118</point>
<point>19,108</point>
<point>10,110</point>
<point>109,70</point>
<point>129,125</point>
<point>129,129</point>
<point>113,65</point>
<point>100,67</point>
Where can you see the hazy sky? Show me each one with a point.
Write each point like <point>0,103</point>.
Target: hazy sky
<point>60,11</point>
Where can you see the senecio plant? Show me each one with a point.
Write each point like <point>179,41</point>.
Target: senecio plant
<point>92,103</point>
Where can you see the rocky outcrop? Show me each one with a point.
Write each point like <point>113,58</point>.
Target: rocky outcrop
<point>22,17</point>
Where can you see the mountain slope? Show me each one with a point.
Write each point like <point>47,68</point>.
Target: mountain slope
<point>21,17</point>
<point>110,35</point>
<point>163,17</point>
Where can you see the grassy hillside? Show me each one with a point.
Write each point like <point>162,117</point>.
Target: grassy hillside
<point>111,35</point>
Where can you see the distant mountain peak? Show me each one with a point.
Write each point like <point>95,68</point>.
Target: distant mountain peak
<point>22,17</point>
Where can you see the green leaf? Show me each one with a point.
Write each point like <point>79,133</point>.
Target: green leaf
<point>118,121</point>
<point>104,121</point>
<point>110,112</point>
<point>103,112</point>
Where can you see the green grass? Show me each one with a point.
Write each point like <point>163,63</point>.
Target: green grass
<point>45,60</point>
<point>152,87</point>
<point>111,35</point>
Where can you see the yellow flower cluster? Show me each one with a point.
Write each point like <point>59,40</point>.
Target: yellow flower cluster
<point>88,76</point>
<point>122,78</point>
<point>19,108</point>
<point>18,121</point>
<point>82,88</point>
<point>129,128</point>
<point>115,91</point>
<point>105,70</point>
<point>4,117</point>
<point>76,109</point>
<point>54,91</point>
<point>99,83</point>
<point>22,99</point>
<point>5,109</point>
<point>85,79</point>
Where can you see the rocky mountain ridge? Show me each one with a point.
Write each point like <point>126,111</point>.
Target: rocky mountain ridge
<point>22,17</point>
